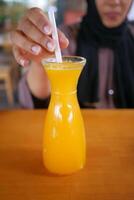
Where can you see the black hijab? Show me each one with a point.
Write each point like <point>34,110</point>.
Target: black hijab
<point>92,36</point>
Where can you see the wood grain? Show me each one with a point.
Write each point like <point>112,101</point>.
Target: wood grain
<point>109,170</point>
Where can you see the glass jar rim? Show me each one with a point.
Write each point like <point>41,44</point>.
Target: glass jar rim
<point>78,62</point>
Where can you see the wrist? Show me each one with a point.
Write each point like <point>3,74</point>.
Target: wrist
<point>37,81</point>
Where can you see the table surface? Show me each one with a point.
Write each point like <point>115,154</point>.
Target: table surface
<point>109,170</point>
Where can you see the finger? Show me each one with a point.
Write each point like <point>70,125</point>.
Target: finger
<point>24,58</point>
<point>18,39</point>
<point>19,56</point>
<point>40,20</point>
<point>36,35</point>
<point>63,40</point>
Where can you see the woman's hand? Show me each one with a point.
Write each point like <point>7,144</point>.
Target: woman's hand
<point>32,39</point>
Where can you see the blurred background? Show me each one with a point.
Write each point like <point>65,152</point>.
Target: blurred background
<point>69,12</point>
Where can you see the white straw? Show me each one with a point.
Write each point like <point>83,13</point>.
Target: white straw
<point>51,16</point>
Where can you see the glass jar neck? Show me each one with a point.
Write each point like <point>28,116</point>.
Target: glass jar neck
<point>63,81</point>
<point>59,93</point>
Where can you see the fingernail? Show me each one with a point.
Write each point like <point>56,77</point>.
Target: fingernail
<point>50,46</point>
<point>22,62</point>
<point>36,49</point>
<point>64,39</point>
<point>47,30</point>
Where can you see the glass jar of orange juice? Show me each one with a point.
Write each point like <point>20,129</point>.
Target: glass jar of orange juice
<point>64,134</point>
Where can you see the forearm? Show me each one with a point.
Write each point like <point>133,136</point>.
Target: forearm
<point>37,81</point>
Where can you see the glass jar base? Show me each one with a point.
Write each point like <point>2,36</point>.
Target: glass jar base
<point>63,173</point>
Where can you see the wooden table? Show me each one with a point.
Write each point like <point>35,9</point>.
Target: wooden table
<point>109,171</point>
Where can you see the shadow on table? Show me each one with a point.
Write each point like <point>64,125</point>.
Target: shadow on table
<point>25,160</point>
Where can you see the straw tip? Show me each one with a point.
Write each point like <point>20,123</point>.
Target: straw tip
<point>52,9</point>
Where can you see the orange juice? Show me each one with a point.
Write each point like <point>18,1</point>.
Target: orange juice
<point>64,134</point>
